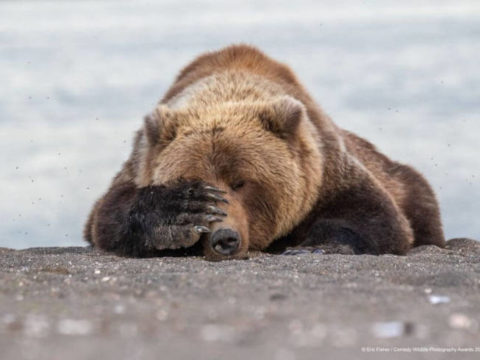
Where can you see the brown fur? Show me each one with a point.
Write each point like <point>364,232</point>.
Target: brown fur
<point>237,114</point>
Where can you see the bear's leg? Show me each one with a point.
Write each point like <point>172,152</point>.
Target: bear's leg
<point>361,219</point>
<point>138,221</point>
<point>330,237</point>
<point>421,208</point>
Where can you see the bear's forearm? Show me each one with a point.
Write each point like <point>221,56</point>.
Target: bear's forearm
<point>360,220</point>
<point>138,221</point>
<point>115,225</point>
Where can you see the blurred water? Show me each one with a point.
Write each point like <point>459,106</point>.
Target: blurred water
<point>77,77</point>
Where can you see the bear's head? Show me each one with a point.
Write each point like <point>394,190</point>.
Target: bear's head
<point>265,155</point>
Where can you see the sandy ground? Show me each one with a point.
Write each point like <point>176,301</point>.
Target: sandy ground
<point>78,303</point>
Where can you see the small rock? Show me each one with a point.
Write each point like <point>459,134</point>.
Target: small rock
<point>460,321</point>
<point>438,299</point>
<point>391,329</point>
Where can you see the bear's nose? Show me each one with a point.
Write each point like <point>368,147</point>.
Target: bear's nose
<point>225,241</point>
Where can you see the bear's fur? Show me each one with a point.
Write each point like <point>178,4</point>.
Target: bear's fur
<point>238,127</point>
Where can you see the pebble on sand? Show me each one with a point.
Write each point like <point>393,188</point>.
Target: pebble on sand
<point>438,299</point>
<point>390,329</point>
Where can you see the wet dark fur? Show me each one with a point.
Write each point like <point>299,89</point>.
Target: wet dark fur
<point>129,216</point>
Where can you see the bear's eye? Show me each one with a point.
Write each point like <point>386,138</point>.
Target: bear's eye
<point>237,185</point>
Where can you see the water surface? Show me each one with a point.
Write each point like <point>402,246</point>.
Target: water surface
<point>77,77</point>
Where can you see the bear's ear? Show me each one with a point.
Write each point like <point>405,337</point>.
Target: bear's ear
<point>158,126</point>
<point>282,116</point>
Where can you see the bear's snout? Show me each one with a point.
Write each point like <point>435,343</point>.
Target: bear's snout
<point>225,241</point>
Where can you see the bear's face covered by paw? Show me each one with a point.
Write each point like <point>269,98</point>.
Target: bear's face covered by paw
<point>263,155</point>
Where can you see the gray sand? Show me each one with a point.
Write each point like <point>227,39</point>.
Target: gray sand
<point>79,303</point>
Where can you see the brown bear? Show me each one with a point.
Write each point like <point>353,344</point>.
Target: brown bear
<point>237,157</point>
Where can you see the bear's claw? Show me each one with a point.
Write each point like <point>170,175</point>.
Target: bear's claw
<point>215,210</point>
<point>200,229</point>
<point>213,188</point>
<point>213,218</point>
<point>217,197</point>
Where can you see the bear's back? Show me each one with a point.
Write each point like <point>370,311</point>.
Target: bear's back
<point>234,58</point>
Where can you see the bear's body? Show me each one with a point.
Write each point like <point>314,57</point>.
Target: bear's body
<point>238,155</point>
